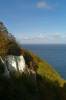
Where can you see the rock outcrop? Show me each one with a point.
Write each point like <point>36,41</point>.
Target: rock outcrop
<point>13,58</point>
<point>12,64</point>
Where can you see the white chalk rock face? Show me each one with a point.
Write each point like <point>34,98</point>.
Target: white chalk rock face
<point>16,61</point>
<point>21,63</point>
<point>12,63</point>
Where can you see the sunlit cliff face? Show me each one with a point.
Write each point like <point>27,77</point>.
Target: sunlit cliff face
<point>13,64</point>
<point>16,61</point>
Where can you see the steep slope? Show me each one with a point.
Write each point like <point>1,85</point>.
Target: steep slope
<point>45,69</point>
<point>42,85</point>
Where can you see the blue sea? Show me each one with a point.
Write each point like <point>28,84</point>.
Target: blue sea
<point>53,54</point>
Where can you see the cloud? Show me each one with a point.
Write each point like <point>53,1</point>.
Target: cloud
<point>55,38</point>
<point>42,4</point>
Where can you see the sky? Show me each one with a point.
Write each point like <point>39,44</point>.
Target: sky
<point>35,21</point>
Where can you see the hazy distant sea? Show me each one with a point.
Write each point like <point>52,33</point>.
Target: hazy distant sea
<point>53,54</point>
